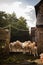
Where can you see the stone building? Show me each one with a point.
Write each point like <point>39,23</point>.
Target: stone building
<point>4,39</point>
<point>33,30</point>
<point>39,25</point>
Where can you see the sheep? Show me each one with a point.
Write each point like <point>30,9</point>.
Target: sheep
<point>25,46</point>
<point>15,46</point>
<point>11,46</point>
<point>41,57</point>
<point>18,45</point>
<point>30,48</point>
<point>29,42</point>
<point>33,49</point>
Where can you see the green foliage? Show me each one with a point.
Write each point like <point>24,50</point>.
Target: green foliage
<point>14,24</point>
<point>12,18</point>
<point>21,24</point>
<point>6,19</point>
<point>3,19</point>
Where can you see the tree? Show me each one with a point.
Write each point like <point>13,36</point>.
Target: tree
<point>12,19</point>
<point>16,26</point>
<point>21,24</point>
<point>20,30</point>
<point>3,19</point>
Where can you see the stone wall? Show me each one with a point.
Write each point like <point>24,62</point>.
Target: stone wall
<point>39,39</point>
<point>39,25</point>
<point>4,39</point>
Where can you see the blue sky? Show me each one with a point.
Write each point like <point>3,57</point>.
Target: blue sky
<point>23,8</point>
<point>29,2</point>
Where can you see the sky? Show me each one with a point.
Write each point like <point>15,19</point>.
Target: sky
<point>23,8</point>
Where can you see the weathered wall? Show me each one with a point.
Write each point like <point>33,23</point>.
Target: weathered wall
<point>4,38</point>
<point>39,31</point>
<point>39,36</point>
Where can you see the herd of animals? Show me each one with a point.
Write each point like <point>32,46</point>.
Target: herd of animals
<point>24,47</point>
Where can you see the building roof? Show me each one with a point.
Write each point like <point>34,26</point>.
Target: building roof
<point>39,13</point>
<point>37,6</point>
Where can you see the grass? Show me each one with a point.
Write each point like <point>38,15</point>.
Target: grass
<point>17,58</point>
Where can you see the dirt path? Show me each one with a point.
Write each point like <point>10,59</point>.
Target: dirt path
<point>38,61</point>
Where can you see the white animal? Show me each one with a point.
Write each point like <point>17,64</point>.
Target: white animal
<point>25,46</point>
<point>33,49</point>
<point>18,45</point>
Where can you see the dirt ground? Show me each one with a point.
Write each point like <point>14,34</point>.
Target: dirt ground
<point>21,58</point>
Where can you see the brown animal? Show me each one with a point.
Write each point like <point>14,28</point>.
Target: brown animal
<point>33,49</point>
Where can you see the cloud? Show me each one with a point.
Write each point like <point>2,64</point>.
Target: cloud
<point>7,1</point>
<point>29,2</point>
<point>31,17</point>
<point>21,10</point>
<point>26,2</point>
<point>9,8</point>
